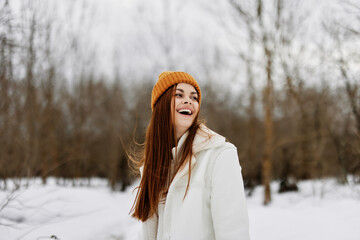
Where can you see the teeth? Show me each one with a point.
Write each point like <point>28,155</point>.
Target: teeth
<point>186,111</point>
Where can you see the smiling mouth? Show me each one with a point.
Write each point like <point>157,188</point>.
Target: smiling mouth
<point>185,112</point>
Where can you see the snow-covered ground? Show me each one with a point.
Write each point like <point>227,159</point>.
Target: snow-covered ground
<point>320,210</point>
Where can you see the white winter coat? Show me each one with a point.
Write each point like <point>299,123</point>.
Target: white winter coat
<point>214,207</point>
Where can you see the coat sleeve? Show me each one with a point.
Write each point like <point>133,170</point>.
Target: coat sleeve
<point>228,205</point>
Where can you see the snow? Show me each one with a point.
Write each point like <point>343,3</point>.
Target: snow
<point>322,209</point>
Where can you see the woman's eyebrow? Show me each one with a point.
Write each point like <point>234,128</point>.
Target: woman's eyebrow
<point>179,89</point>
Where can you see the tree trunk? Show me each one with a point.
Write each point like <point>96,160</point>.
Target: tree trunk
<point>268,99</point>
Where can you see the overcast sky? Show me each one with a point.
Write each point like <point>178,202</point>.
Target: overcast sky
<point>143,38</point>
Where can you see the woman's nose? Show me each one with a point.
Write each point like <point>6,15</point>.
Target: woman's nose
<point>186,100</point>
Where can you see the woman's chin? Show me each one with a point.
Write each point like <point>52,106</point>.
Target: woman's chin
<point>182,126</point>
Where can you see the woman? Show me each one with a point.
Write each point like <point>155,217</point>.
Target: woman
<point>191,185</point>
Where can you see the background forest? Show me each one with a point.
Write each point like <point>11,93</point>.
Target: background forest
<point>280,79</point>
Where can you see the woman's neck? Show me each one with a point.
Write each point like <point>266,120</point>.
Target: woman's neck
<point>180,133</point>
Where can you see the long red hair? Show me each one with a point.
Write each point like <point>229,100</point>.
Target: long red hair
<point>156,160</point>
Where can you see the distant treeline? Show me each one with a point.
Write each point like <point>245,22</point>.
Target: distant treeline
<point>83,128</point>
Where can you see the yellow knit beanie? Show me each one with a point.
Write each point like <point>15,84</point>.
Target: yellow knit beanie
<point>169,78</point>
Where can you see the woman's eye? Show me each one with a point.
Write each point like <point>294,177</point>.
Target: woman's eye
<point>178,95</point>
<point>194,98</point>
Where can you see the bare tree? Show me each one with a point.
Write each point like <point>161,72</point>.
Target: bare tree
<point>6,78</point>
<point>253,17</point>
<point>345,33</point>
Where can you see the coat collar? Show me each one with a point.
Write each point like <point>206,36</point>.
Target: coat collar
<point>204,139</point>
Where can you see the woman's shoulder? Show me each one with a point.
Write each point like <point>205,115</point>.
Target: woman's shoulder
<point>226,146</point>
<point>206,139</point>
<point>226,150</point>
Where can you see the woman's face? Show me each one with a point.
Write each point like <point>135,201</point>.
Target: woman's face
<point>186,105</point>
